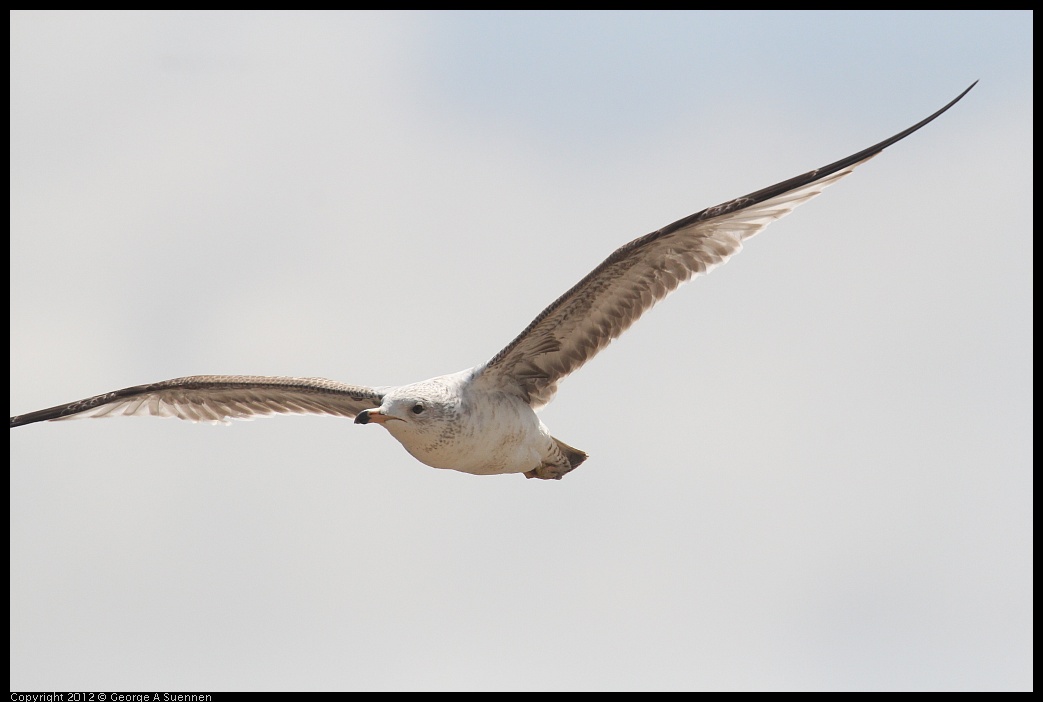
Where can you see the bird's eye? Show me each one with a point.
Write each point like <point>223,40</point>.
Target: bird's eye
<point>418,408</point>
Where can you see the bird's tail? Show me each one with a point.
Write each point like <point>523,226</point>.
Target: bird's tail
<point>574,455</point>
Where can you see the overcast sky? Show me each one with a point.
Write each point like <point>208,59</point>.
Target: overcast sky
<point>808,470</point>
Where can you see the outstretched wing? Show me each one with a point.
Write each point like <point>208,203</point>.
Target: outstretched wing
<point>219,398</point>
<point>637,275</point>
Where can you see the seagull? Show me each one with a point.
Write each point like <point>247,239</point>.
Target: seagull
<point>483,420</point>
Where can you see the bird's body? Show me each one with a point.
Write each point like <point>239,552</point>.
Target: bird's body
<point>483,420</point>
<point>456,421</point>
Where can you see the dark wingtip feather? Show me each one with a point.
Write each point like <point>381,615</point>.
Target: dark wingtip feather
<point>805,178</point>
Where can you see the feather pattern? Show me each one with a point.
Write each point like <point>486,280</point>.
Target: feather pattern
<point>219,399</point>
<point>599,308</point>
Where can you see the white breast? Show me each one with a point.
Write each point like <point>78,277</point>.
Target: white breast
<point>494,433</point>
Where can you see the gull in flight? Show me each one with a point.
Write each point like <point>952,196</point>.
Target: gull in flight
<point>483,420</point>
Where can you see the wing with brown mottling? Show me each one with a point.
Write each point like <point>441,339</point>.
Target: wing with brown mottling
<point>219,399</point>
<point>637,275</point>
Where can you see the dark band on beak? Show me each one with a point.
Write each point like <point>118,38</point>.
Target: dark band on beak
<point>362,417</point>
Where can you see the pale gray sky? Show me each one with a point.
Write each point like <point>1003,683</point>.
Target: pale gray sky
<point>809,470</point>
